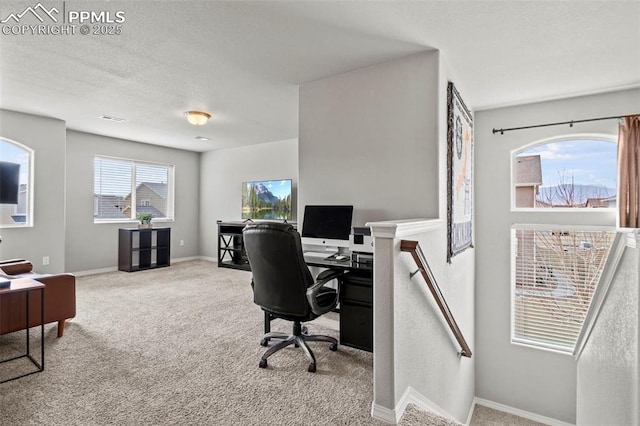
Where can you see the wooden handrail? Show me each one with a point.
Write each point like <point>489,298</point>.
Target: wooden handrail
<point>416,252</point>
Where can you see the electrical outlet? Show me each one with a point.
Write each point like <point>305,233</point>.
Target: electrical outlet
<point>45,260</point>
<point>181,242</point>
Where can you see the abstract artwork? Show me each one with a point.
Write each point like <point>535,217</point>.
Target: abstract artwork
<point>459,174</point>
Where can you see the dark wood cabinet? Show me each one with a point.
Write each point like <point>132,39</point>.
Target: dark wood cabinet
<point>231,252</point>
<point>143,248</point>
<point>356,309</point>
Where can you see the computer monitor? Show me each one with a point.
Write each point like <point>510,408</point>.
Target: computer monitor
<point>327,226</point>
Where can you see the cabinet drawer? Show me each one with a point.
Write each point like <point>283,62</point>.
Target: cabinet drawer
<point>357,293</point>
<point>230,229</point>
<point>356,326</point>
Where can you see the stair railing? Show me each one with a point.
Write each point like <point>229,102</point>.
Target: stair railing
<point>418,256</point>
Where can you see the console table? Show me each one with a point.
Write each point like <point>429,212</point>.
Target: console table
<point>26,286</point>
<point>231,252</point>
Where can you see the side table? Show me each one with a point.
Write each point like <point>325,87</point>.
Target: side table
<point>27,285</point>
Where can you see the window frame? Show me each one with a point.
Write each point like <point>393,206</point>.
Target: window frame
<point>567,218</point>
<point>29,223</point>
<point>550,347</point>
<point>134,164</point>
<point>555,139</point>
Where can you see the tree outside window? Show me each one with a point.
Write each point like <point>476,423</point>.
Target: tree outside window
<point>574,173</point>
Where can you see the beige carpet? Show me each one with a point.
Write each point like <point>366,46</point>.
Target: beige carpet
<point>179,346</point>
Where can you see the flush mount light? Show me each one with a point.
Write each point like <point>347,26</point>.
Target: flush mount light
<point>197,118</point>
<point>202,138</point>
<point>109,118</point>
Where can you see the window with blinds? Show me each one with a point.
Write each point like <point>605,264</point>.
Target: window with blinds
<point>125,188</point>
<point>554,275</point>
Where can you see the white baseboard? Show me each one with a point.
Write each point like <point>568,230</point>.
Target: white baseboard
<point>186,259</point>
<point>382,413</point>
<point>95,271</point>
<point>115,268</point>
<point>518,412</point>
<point>410,396</point>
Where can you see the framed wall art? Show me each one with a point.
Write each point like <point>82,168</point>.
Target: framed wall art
<point>459,174</point>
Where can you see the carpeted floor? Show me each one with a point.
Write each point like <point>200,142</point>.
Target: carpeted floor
<point>179,345</point>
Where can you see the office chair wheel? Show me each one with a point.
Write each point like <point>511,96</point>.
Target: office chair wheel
<point>263,363</point>
<point>312,368</point>
<point>264,342</point>
<point>333,347</point>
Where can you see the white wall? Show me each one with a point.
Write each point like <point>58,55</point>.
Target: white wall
<point>91,246</point>
<point>528,379</point>
<point>221,177</point>
<point>369,137</point>
<point>608,371</point>
<point>46,136</point>
<point>376,138</point>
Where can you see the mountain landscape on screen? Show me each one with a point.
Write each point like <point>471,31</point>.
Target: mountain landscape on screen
<point>266,200</point>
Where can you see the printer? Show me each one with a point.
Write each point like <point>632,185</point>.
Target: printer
<point>361,244</point>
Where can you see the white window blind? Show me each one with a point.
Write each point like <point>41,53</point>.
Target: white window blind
<point>124,188</point>
<point>554,277</point>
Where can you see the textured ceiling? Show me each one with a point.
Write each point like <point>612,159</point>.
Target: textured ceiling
<point>243,61</point>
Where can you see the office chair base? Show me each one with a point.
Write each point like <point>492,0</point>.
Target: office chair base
<point>299,340</point>
<point>272,335</point>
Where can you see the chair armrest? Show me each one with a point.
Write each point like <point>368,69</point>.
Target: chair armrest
<point>16,267</point>
<point>60,295</point>
<point>323,278</point>
<point>2,262</point>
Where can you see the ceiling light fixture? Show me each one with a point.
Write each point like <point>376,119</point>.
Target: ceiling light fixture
<point>197,118</point>
<point>202,138</point>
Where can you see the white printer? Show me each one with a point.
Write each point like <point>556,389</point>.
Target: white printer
<point>361,244</point>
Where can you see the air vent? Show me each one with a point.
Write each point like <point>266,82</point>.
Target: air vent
<point>109,118</point>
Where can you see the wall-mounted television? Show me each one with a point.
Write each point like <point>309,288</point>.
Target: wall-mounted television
<point>267,199</point>
<point>9,182</point>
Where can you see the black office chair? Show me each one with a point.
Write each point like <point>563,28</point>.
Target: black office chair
<point>284,288</point>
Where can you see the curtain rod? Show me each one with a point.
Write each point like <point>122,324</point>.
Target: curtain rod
<point>570,123</point>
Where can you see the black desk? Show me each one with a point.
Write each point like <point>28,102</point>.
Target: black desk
<point>356,301</point>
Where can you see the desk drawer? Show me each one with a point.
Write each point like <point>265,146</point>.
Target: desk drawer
<point>357,293</point>
<point>356,326</point>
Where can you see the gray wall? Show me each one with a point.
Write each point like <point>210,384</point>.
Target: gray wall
<point>221,177</point>
<point>369,137</point>
<point>608,366</point>
<point>63,206</point>
<point>376,138</point>
<point>533,380</point>
<point>91,246</point>
<point>46,136</point>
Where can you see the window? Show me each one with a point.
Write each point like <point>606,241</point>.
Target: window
<point>125,188</point>
<point>555,268</point>
<point>555,274</point>
<point>20,214</point>
<point>570,173</point>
